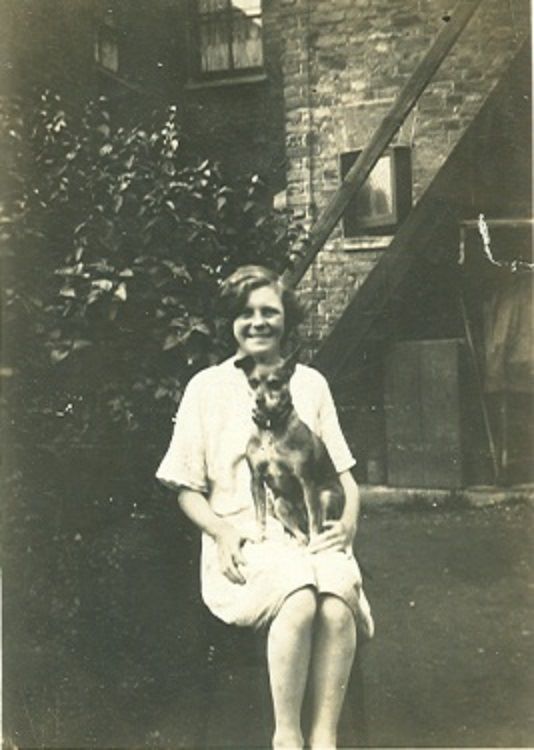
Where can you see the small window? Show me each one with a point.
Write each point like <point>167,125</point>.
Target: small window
<point>107,48</point>
<point>229,36</point>
<point>385,199</point>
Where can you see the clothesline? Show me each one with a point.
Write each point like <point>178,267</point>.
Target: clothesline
<point>483,229</point>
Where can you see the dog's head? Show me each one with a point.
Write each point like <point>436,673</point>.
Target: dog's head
<point>270,384</point>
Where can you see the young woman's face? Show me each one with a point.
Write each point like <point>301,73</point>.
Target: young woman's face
<point>259,328</point>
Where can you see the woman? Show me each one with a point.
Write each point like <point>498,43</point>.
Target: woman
<point>310,598</point>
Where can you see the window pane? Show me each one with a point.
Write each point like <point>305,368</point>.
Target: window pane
<point>250,7</point>
<point>246,43</point>
<point>212,6</point>
<point>375,199</point>
<point>214,48</point>
<point>107,50</point>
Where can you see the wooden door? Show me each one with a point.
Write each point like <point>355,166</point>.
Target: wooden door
<point>422,410</point>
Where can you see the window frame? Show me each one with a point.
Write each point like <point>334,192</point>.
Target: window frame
<point>230,72</point>
<point>105,26</point>
<point>401,195</point>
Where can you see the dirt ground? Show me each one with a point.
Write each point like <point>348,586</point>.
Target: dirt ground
<point>107,646</point>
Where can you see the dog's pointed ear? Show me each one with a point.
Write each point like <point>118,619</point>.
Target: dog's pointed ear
<point>246,364</point>
<point>290,362</point>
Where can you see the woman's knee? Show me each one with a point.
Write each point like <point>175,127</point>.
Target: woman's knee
<point>335,614</point>
<point>300,607</point>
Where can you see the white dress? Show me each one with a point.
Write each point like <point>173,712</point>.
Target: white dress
<point>207,454</point>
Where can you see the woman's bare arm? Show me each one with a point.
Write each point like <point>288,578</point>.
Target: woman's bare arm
<point>229,540</point>
<point>340,534</point>
<point>351,511</point>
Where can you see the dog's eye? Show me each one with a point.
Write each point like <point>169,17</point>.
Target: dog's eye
<point>254,382</point>
<point>275,384</point>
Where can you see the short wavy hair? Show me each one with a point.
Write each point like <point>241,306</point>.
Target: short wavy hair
<point>234,293</point>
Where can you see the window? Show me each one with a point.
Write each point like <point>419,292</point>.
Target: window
<point>107,47</point>
<point>385,199</point>
<point>229,36</point>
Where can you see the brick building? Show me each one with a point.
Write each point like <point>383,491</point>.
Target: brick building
<point>403,331</point>
<point>344,64</point>
<point>294,89</point>
<point>220,68</point>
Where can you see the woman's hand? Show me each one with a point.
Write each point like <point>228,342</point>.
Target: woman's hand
<point>229,546</point>
<point>338,535</point>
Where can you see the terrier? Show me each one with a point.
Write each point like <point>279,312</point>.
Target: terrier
<point>288,458</point>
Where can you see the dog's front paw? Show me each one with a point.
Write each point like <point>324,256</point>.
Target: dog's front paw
<point>301,538</point>
<point>259,536</point>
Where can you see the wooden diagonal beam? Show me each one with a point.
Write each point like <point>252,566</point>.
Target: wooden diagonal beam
<point>382,137</point>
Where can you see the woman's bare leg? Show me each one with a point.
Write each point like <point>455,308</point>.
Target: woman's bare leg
<point>288,656</point>
<point>333,652</point>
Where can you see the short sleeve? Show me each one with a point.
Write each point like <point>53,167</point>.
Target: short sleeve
<point>331,434</point>
<point>184,464</point>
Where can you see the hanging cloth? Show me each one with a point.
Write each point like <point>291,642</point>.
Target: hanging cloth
<point>509,335</point>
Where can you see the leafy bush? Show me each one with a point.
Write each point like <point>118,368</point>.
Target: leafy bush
<point>115,241</point>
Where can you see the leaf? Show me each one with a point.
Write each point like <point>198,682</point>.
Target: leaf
<point>117,203</point>
<point>200,328</point>
<point>126,273</point>
<point>58,355</point>
<point>67,291</point>
<point>120,292</point>
<point>172,341</point>
<point>81,344</point>
<point>104,284</point>
<point>221,202</point>
<point>169,300</point>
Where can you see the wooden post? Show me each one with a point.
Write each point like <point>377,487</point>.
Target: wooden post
<point>382,137</point>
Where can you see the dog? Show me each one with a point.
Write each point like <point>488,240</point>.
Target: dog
<point>292,474</point>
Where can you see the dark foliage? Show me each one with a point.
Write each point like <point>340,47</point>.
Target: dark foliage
<point>114,242</point>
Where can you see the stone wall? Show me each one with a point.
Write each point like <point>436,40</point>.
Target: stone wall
<point>344,62</point>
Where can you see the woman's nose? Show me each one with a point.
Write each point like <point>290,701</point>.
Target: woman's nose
<point>258,319</point>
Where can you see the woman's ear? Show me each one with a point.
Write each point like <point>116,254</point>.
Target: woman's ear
<point>247,364</point>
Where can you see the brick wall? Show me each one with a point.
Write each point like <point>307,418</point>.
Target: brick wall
<point>344,62</point>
